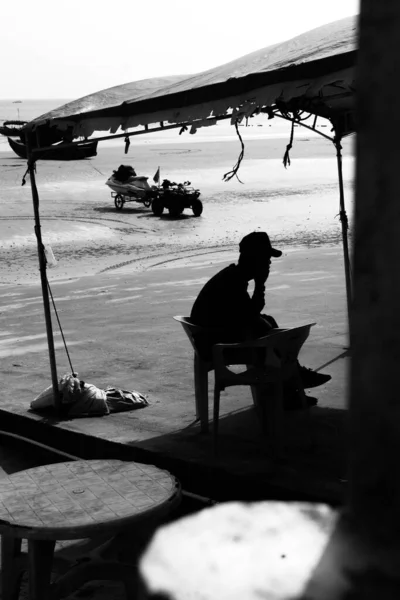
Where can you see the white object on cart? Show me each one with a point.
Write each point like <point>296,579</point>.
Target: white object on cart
<point>135,185</point>
<point>134,189</point>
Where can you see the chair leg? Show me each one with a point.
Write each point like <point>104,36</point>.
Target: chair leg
<point>216,419</point>
<point>40,558</point>
<point>254,394</point>
<point>201,392</point>
<point>305,407</point>
<point>269,406</point>
<point>10,574</point>
<point>276,428</point>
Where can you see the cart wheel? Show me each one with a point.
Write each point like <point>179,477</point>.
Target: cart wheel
<point>197,207</point>
<point>157,207</point>
<point>119,202</point>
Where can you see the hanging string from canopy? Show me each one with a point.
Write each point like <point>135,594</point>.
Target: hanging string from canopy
<point>228,176</point>
<point>286,156</point>
<point>61,329</point>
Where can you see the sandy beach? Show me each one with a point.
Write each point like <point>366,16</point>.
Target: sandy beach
<point>297,205</point>
<point>122,275</point>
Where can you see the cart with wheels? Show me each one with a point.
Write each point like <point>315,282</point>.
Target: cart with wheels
<point>120,199</point>
<point>136,190</point>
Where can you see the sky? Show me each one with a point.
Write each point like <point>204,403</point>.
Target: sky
<point>70,48</point>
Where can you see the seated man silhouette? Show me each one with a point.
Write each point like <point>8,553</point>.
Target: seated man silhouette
<point>225,304</point>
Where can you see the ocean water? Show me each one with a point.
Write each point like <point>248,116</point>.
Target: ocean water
<point>26,110</point>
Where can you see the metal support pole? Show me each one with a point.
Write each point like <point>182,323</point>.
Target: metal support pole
<point>345,227</point>
<point>43,278</point>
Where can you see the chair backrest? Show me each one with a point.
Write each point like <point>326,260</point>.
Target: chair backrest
<point>287,343</point>
<point>280,349</point>
<point>191,329</point>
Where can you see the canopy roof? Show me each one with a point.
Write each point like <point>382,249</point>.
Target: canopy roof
<point>313,72</point>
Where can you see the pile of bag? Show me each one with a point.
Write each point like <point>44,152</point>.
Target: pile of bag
<point>85,399</point>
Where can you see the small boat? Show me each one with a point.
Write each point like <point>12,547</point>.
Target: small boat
<point>12,128</point>
<point>58,152</point>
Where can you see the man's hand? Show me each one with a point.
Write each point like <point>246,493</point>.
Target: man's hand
<point>262,275</point>
<point>258,298</point>
<point>259,286</point>
<point>259,283</point>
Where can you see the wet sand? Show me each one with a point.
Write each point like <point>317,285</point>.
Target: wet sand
<point>297,205</point>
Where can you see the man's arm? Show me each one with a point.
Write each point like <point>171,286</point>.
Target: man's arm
<point>258,298</point>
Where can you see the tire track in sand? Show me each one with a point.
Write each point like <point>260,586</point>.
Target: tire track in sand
<point>79,220</point>
<point>174,256</point>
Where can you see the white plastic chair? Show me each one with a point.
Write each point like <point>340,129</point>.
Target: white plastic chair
<point>281,346</point>
<point>201,370</point>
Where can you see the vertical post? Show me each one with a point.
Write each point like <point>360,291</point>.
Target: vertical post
<point>43,276</point>
<point>374,415</point>
<point>345,226</point>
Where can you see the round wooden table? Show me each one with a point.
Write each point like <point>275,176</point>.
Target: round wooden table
<point>71,501</point>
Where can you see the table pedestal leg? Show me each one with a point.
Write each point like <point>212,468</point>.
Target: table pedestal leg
<point>40,559</point>
<point>10,573</point>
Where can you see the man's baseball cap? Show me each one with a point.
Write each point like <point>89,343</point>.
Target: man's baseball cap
<point>258,242</point>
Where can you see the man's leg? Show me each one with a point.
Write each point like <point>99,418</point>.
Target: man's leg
<point>312,379</point>
<point>293,389</point>
<point>309,377</point>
